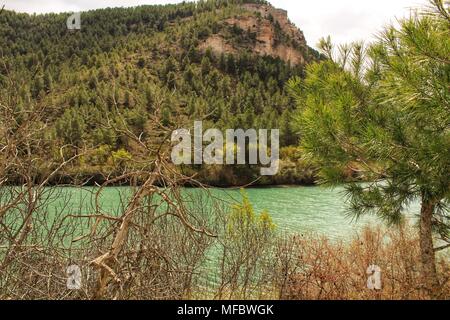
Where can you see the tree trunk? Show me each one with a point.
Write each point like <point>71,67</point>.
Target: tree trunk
<point>429,274</point>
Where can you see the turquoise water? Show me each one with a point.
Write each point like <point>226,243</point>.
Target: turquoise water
<point>316,210</point>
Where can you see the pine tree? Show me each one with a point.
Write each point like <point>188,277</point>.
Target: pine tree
<point>387,118</point>
<point>206,66</point>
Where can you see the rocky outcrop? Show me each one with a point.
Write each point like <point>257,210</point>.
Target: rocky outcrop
<point>218,44</point>
<point>280,16</point>
<point>273,35</point>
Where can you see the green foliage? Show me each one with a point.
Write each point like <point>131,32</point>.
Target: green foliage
<point>245,247</point>
<point>121,157</point>
<point>126,65</point>
<point>386,117</point>
<point>71,127</point>
<point>243,220</point>
<point>100,155</point>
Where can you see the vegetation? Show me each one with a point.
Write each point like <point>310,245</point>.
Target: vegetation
<point>245,251</point>
<point>383,111</point>
<point>162,258</point>
<point>319,269</point>
<point>128,66</point>
<point>99,106</point>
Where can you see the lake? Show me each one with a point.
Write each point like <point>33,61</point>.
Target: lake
<point>316,209</point>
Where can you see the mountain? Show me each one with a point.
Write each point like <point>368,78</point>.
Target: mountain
<point>223,62</point>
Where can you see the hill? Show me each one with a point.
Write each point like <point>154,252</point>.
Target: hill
<point>225,62</point>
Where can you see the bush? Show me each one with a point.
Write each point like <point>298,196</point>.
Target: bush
<point>121,157</point>
<point>314,268</point>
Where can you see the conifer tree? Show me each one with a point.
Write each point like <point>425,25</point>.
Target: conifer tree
<point>387,118</point>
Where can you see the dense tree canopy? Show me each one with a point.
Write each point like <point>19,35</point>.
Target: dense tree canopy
<point>127,64</point>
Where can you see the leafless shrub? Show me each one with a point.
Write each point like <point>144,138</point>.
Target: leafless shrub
<point>311,268</point>
<point>150,247</point>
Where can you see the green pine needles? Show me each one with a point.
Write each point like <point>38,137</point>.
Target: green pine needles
<point>383,112</point>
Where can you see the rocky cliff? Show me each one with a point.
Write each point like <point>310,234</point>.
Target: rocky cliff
<point>263,30</point>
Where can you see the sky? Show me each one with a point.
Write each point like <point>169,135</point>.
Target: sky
<point>344,20</point>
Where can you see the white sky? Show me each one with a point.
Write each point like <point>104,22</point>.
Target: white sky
<point>343,20</point>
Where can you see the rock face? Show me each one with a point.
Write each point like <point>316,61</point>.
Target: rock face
<point>218,44</point>
<point>271,34</point>
<point>280,16</point>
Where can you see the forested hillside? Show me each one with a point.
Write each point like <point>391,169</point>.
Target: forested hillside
<point>223,62</point>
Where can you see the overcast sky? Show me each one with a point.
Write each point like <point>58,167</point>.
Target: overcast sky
<point>343,20</point>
